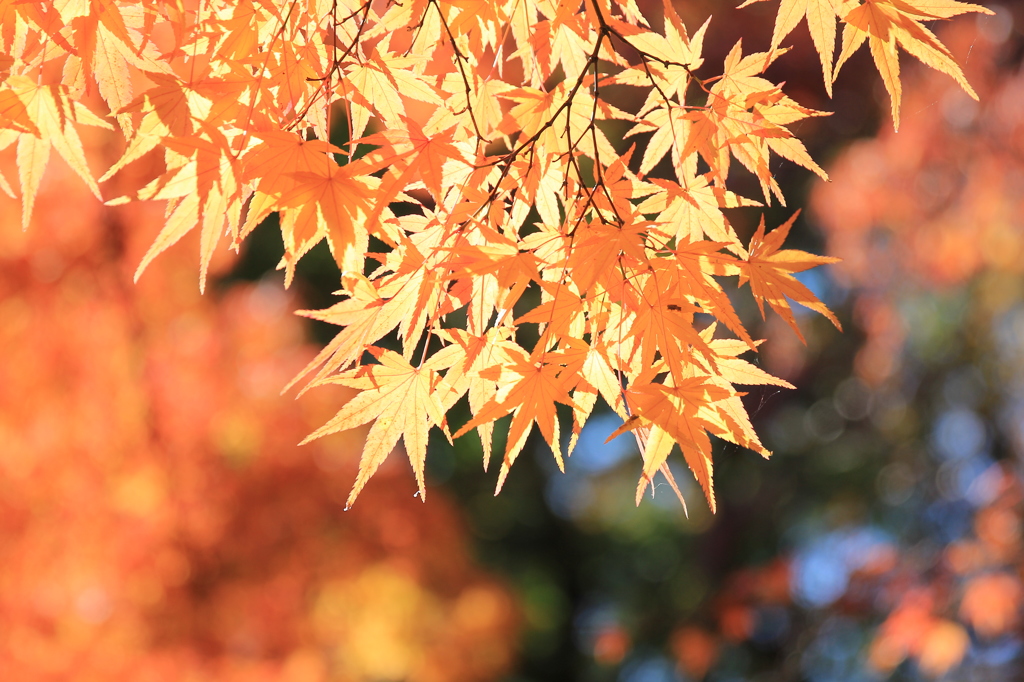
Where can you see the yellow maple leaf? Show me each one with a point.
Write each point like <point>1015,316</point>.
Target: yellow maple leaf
<point>884,24</point>
<point>401,400</point>
<point>53,113</point>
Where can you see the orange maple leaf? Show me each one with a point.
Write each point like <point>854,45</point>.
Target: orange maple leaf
<point>534,383</point>
<point>769,270</point>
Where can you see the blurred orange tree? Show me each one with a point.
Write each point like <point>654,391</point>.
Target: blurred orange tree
<point>497,242</point>
<point>159,521</point>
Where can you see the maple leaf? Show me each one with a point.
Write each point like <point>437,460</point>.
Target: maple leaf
<point>473,374</point>
<point>401,400</point>
<point>325,203</point>
<point>202,187</point>
<point>747,116</point>
<point>562,312</point>
<point>366,316</point>
<point>601,251</point>
<point>769,270</point>
<point>512,269</point>
<point>695,259</point>
<point>884,25</point>
<point>411,155</point>
<point>677,55</point>
<point>664,321</point>
<point>674,410</point>
<point>377,85</point>
<point>46,114</point>
<point>271,166</point>
<point>727,418</point>
<point>693,210</point>
<point>596,378</point>
<point>821,23</point>
<point>532,384</point>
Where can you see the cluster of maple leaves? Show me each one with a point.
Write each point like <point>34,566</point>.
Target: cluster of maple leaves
<point>523,260</point>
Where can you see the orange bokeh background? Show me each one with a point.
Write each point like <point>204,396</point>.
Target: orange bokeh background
<point>158,520</point>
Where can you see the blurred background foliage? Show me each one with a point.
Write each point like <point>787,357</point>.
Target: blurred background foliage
<point>159,523</point>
